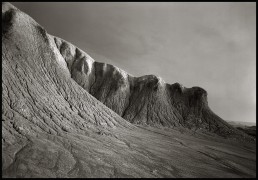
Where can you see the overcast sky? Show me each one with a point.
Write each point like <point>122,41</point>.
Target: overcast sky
<point>211,45</point>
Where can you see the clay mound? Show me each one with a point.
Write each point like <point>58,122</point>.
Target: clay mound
<point>38,93</point>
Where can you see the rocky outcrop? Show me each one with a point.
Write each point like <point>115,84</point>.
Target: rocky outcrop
<point>146,100</point>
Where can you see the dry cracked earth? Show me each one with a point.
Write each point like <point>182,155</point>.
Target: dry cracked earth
<point>67,115</point>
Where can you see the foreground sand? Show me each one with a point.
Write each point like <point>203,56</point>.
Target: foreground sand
<point>139,152</point>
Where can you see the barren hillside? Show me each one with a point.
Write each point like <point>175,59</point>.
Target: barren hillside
<point>66,115</point>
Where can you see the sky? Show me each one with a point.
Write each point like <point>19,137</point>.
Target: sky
<point>205,44</point>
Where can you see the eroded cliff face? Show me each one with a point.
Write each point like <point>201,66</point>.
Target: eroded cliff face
<point>144,100</point>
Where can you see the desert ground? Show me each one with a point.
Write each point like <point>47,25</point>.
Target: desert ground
<point>138,152</point>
